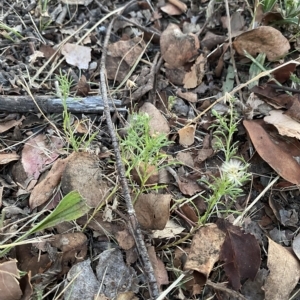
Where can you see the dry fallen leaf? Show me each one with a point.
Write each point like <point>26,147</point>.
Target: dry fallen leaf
<point>171,230</point>
<point>189,96</point>
<point>153,210</point>
<point>5,158</point>
<point>264,39</point>
<point>285,124</point>
<point>195,76</point>
<point>121,56</point>
<point>240,252</point>
<point>270,148</point>
<point>284,273</point>
<point>44,190</point>
<point>9,285</point>
<point>6,125</point>
<point>38,152</point>
<point>206,243</point>
<point>187,135</point>
<point>76,55</point>
<point>178,48</point>
<point>157,123</point>
<point>159,268</point>
<point>125,239</point>
<point>171,9</point>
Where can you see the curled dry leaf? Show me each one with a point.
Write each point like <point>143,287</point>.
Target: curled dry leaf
<point>76,55</point>
<point>264,39</point>
<point>206,243</point>
<point>284,273</point>
<point>285,124</point>
<point>270,148</point>
<point>178,48</point>
<point>153,210</point>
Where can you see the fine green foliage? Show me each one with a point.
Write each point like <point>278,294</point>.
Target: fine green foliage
<point>141,151</point>
<point>70,208</point>
<point>76,142</point>
<point>289,9</point>
<point>233,172</point>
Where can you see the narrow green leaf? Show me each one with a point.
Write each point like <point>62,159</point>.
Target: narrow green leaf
<point>71,207</point>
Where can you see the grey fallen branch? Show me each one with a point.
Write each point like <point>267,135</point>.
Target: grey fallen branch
<point>48,104</point>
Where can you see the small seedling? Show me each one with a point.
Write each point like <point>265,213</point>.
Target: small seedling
<point>77,142</point>
<point>142,152</point>
<point>233,172</point>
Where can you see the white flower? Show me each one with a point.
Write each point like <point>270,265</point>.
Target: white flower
<point>235,171</point>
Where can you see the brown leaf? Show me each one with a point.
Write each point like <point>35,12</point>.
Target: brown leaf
<point>240,252</point>
<point>270,148</point>
<point>269,95</point>
<point>44,190</point>
<point>206,243</point>
<point>157,123</point>
<point>9,285</point>
<point>284,272</point>
<point>153,210</point>
<point>187,186</point>
<point>189,96</point>
<point>82,87</point>
<point>283,74</point>
<point>171,9</point>
<point>6,125</point>
<point>195,76</point>
<point>5,158</point>
<point>187,135</point>
<point>160,271</point>
<point>38,152</point>
<point>121,56</point>
<point>178,48</point>
<point>125,239</point>
<point>264,39</point>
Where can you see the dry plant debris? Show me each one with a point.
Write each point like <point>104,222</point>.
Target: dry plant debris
<point>149,150</point>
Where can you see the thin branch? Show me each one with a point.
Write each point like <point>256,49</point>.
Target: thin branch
<point>134,225</point>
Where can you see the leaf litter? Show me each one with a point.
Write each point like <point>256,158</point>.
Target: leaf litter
<point>63,217</point>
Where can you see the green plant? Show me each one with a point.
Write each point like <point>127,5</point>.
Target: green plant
<point>171,102</point>
<point>77,142</point>
<point>233,172</point>
<point>289,10</point>
<point>71,207</point>
<point>142,152</point>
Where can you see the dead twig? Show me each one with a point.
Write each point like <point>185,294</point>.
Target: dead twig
<point>133,223</point>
